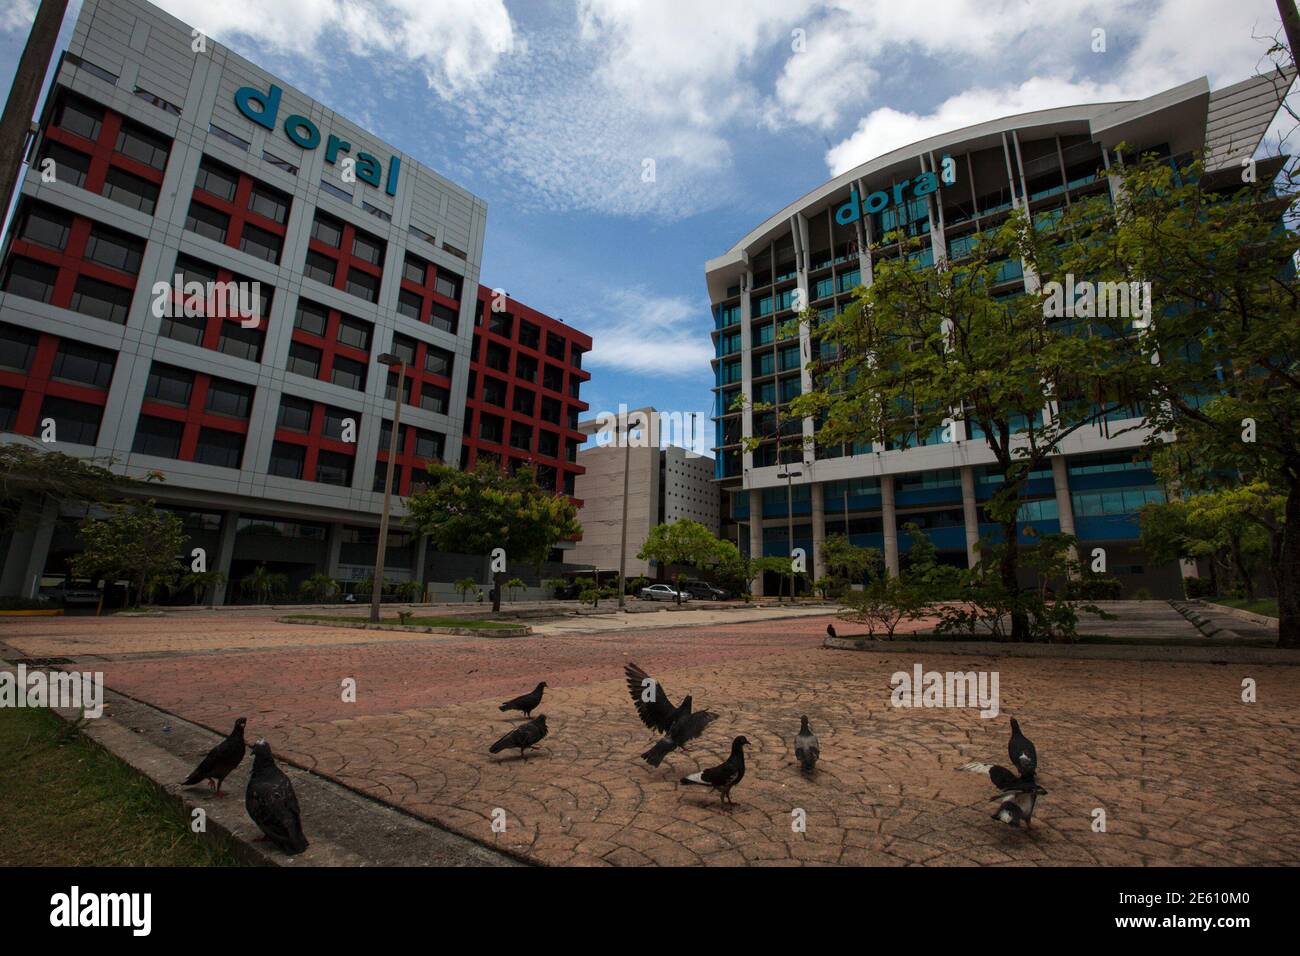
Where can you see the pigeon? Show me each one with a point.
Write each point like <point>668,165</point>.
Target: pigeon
<point>830,630</point>
<point>1021,751</point>
<point>524,736</point>
<point>724,776</point>
<point>1018,795</point>
<point>527,702</point>
<point>272,804</point>
<point>806,747</point>
<point>685,728</point>
<point>221,759</point>
<point>657,713</point>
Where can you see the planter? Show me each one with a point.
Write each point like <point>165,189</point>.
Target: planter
<point>35,612</point>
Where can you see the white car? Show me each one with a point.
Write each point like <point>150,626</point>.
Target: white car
<point>662,592</point>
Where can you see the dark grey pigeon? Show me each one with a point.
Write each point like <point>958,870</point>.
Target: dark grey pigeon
<point>724,776</point>
<point>830,630</point>
<point>806,748</point>
<point>272,804</point>
<point>658,713</point>
<point>1021,751</point>
<point>221,760</point>
<point>527,702</point>
<point>1018,795</point>
<point>685,729</point>
<point>524,736</point>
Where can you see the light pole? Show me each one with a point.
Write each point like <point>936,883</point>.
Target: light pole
<point>622,541</point>
<point>389,359</point>
<point>789,477</point>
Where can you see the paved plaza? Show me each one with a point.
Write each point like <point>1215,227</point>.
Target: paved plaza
<point>1185,772</point>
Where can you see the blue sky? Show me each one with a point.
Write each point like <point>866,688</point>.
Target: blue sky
<point>549,109</point>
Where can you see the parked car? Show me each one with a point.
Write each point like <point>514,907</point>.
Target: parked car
<point>704,591</point>
<point>663,592</point>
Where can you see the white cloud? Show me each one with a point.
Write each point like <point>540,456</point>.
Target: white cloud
<point>457,43</point>
<point>17,15</point>
<point>634,330</point>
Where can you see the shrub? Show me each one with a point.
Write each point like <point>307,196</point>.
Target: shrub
<point>1198,588</point>
<point>885,603</point>
<point>1142,594</point>
<point>1094,587</point>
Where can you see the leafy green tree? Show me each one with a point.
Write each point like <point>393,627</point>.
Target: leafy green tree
<point>885,602</point>
<point>25,470</point>
<point>684,543</point>
<point>138,542</point>
<point>408,591</point>
<point>513,585</point>
<point>1225,330</point>
<point>464,586</point>
<point>477,511</point>
<point>846,564</point>
<point>926,351</point>
<point>319,587</point>
<point>200,583</point>
<point>264,584</point>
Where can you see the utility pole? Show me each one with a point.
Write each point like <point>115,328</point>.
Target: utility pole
<point>16,120</point>
<point>622,542</point>
<point>1291,26</point>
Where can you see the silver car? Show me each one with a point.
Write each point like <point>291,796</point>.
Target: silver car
<point>662,592</point>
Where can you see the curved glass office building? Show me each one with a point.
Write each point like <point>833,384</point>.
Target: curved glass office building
<point>826,243</point>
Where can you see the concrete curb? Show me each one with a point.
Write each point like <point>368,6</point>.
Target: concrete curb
<point>1197,619</point>
<point>513,631</point>
<point>344,827</point>
<point>1096,652</point>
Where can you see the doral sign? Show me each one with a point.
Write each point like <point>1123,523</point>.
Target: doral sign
<point>922,185</point>
<point>264,108</point>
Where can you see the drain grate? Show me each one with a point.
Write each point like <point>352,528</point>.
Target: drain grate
<point>40,661</point>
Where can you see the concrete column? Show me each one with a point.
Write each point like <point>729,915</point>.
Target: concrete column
<point>818,529</point>
<point>890,519</point>
<point>225,552</point>
<point>421,549</point>
<point>756,534</point>
<point>1064,508</point>
<point>333,549</point>
<point>42,535</point>
<point>970,515</point>
<point>16,576</point>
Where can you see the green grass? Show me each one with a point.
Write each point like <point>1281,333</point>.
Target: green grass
<point>64,801</point>
<point>412,622</point>
<point>932,638</point>
<point>1267,606</point>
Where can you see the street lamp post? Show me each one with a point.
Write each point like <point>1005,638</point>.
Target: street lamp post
<point>389,359</point>
<point>789,477</point>
<point>622,543</point>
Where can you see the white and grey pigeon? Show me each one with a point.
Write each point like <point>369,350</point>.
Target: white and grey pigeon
<point>1021,751</point>
<point>1019,795</point>
<point>724,776</point>
<point>806,748</point>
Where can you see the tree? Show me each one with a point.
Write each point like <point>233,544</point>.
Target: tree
<point>200,583</point>
<point>263,584</point>
<point>1222,375</point>
<point>464,586</point>
<point>926,352</point>
<point>479,511</point>
<point>846,563</point>
<point>319,587</point>
<point>513,585</point>
<point>885,602</point>
<point>683,543</point>
<point>137,542</point>
<point>25,470</point>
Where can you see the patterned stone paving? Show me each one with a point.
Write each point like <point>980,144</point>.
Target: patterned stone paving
<point>1186,772</point>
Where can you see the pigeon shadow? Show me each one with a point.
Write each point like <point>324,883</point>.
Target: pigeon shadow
<point>520,757</point>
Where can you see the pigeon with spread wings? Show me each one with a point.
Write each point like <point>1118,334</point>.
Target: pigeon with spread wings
<point>652,704</point>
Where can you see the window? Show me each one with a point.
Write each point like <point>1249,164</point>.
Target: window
<point>441,317</point>
<point>219,180</point>
<point>17,347</point>
<point>295,414</point>
<point>229,137</point>
<point>311,318</point>
<point>428,444</point>
<point>502,323</point>
<point>143,145</point>
<point>349,374</point>
<point>101,300</point>
<point>131,190</point>
<point>434,398</point>
<point>404,349</point>
<point>219,447</point>
<point>10,400</point>
<point>363,285</point>
<point>334,190</point>
<point>207,222</point>
<point>333,468</point>
<point>548,444</point>
<point>189,329</point>
<point>530,335</point>
<point>159,437</point>
<point>447,285</point>
<point>245,343</point>
<point>368,249</point>
<point>319,267</point>
<point>287,460</point>
<point>229,398</point>
<point>79,116</point>
<point>354,333</point>
<point>408,304</point>
<point>268,202</point>
<point>553,378</point>
<point>551,410</point>
<point>494,391</point>
<point>376,211</point>
<point>414,269</point>
<point>46,226</point>
<point>498,357</point>
<point>258,242</point>
<point>157,101</point>
<point>438,361</point>
<point>279,163</point>
<point>72,165</point>
<point>554,346</point>
<point>84,364</point>
<point>333,421</point>
<point>524,401</point>
<point>114,249</point>
<point>169,384</point>
<point>491,428</point>
<point>76,422</point>
<point>327,229</point>
<point>304,360</point>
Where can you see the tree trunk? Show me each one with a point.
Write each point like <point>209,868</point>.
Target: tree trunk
<point>497,578</point>
<point>1288,593</point>
<point>1239,565</point>
<point>1011,582</point>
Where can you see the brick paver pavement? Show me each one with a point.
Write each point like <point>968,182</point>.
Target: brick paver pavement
<point>1185,771</point>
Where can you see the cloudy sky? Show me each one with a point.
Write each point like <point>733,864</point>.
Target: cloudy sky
<point>553,110</point>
